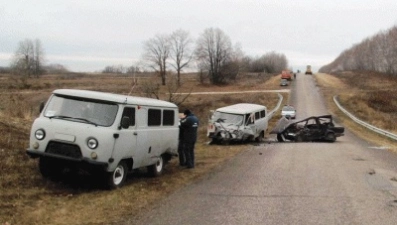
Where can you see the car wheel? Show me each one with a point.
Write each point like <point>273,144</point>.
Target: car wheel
<point>116,178</point>
<point>156,169</point>
<point>330,137</point>
<point>299,138</point>
<point>280,138</point>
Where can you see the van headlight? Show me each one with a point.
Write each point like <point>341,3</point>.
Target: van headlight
<point>92,143</point>
<point>39,134</point>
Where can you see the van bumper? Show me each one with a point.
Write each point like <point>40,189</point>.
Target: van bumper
<point>36,154</point>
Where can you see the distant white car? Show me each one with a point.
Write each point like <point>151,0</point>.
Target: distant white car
<point>284,82</point>
<point>288,112</point>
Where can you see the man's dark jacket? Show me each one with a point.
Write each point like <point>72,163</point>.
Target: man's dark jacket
<point>189,127</point>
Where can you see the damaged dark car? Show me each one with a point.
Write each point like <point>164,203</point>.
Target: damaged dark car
<point>315,128</point>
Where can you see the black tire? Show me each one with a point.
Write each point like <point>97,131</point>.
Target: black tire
<point>330,137</point>
<point>299,138</point>
<point>261,137</point>
<point>156,169</point>
<point>225,142</point>
<point>214,141</point>
<point>117,178</point>
<point>50,168</point>
<point>280,138</point>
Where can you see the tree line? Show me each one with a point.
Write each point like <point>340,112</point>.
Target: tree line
<point>377,53</point>
<point>213,54</point>
<point>216,58</point>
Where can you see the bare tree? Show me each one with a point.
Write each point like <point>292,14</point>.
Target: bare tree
<point>173,87</point>
<point>156,52</point>
<point>274,62</point>
<point>38,59</point>
<point>214,50</point>
<point>377,53</point>
<point>180,52</point>
<point>28,59</point>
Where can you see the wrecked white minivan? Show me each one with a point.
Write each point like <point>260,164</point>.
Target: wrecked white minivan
<point>104,133</point>
<point>238,123</point>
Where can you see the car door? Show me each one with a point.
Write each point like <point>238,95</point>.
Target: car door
<point>125,138</point>
<point>314,128</point>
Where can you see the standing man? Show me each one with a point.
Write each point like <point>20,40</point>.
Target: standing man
<point>181,149</point>
<point>189,125</point>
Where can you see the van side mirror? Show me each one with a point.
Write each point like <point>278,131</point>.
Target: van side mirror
<point>125,122</point>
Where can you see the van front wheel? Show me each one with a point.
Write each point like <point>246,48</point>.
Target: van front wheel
<point>261,137</point>
<point>156,169</point>
<point>50,168</point>
<point>116,178</point>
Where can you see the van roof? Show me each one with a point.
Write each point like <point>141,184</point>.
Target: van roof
<point>241,108</point>
<point>111,97</point>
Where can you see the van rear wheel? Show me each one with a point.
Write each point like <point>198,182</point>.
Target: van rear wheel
<point>116,178</point>
<point>156,169</point>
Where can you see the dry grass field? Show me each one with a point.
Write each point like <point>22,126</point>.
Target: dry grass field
<point>26,198</point>
<point>371,97</point>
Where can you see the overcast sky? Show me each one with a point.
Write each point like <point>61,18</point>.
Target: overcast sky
<point>88,35</point>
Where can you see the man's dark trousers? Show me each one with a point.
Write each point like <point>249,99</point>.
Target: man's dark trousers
<point>189,154</point>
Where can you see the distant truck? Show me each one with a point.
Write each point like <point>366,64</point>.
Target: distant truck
<point>286,74</point>
<point>308,70</point>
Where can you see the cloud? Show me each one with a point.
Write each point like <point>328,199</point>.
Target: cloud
<point>108,32</point>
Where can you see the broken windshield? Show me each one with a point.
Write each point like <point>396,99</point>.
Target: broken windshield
<point>236,119</point>
<point>81,110</point>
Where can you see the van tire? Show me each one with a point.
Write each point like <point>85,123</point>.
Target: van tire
<point>116,178</point>
<point>49,168</point>
<point>261,137</point>
<point>156,169</point>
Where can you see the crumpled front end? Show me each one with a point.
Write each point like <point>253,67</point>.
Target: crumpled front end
<point>223,132</point>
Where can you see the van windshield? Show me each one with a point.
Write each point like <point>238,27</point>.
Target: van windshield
<point>236,119</point>
<point>81,110</point>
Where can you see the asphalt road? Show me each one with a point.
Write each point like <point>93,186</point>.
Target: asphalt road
<point>346,182</point>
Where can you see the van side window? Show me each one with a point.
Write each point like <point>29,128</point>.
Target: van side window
<point>263,113</point>
<point>168,117</point>
<point>257,116</point>
<point>130,112</point>
<point>154,117</point>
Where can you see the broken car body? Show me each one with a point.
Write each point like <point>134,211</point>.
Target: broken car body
<point>315,128</point>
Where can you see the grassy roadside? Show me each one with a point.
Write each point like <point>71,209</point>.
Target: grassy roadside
<point>357,93</point>
<point>27,198</point>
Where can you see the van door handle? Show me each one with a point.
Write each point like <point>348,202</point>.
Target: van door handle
<point>135,133</point>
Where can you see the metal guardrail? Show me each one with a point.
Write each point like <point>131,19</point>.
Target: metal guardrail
<point>277,106</point>
<point>355,119</point>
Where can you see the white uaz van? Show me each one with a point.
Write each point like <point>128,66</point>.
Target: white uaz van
<point>103,132</point>
<point>238,123</point>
